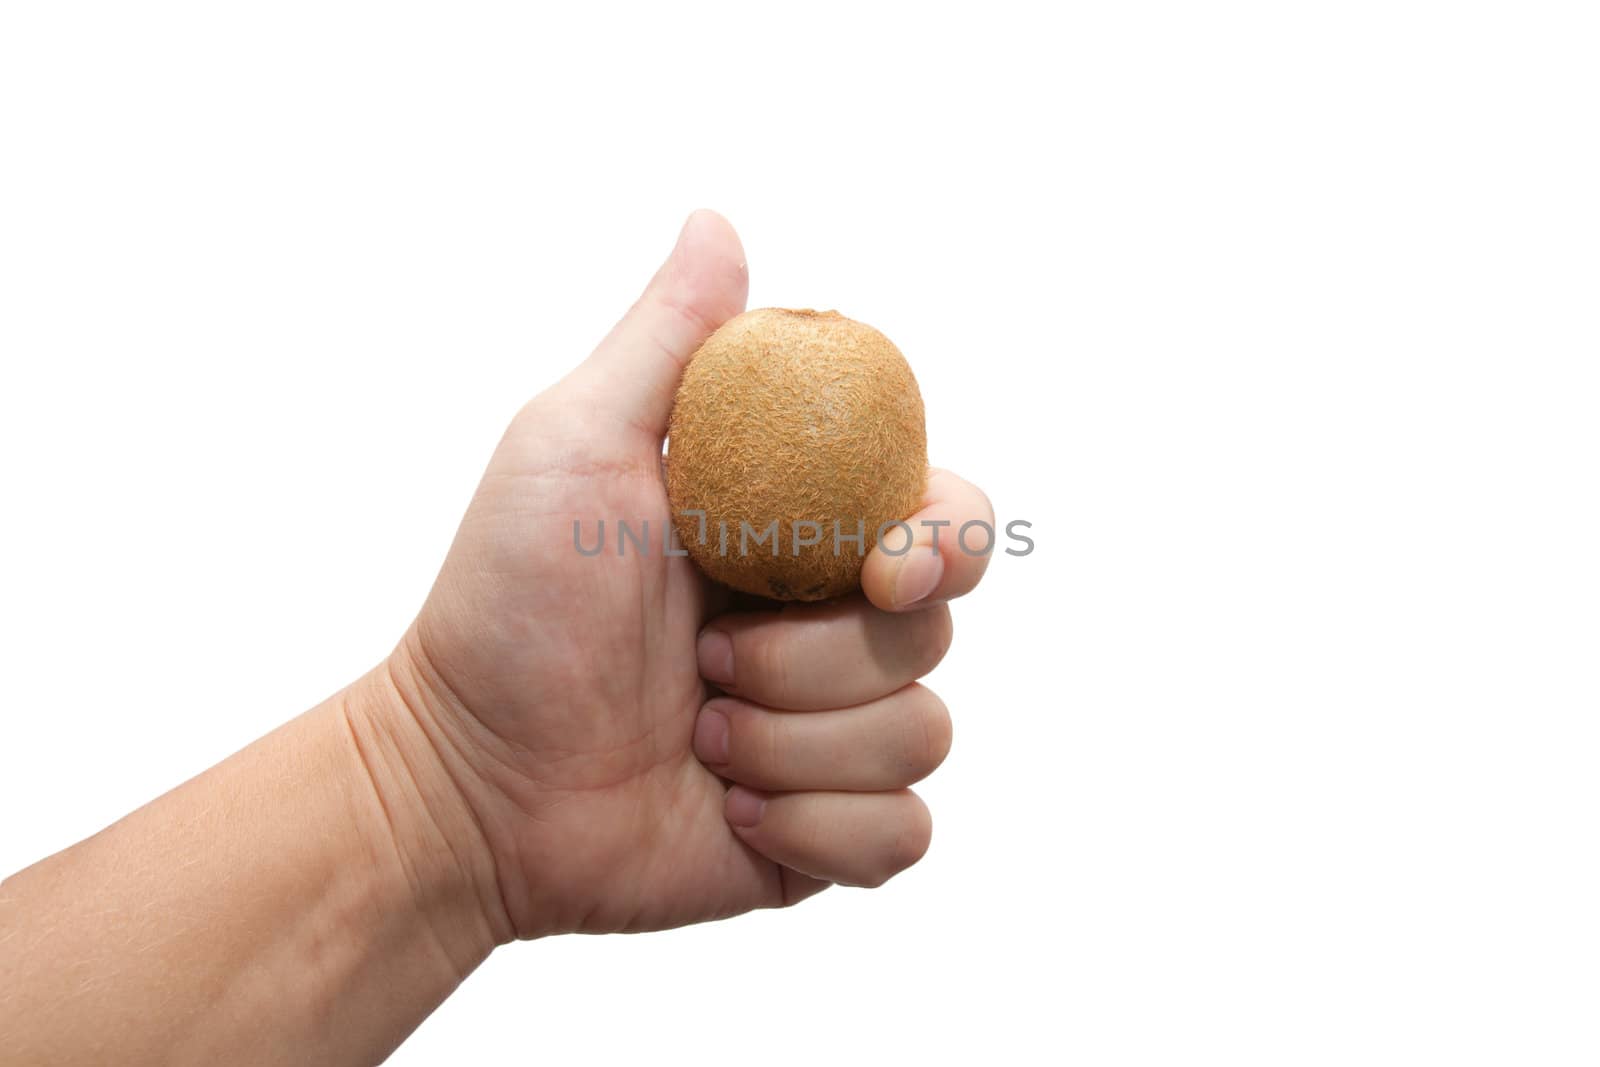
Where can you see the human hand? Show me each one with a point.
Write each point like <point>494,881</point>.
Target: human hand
<point>566,697</point>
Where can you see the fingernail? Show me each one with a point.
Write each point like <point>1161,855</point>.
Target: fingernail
<point>711,736</point>
<point>744,807</point>
<point>918,574</point>
<point>715,652</point>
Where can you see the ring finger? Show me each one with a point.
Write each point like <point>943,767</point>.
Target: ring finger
<point>886,743</point>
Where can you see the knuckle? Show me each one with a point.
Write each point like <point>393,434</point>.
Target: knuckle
<point>934,631</point>
<point>757,741</point>
<point>910,842</point>
<point>932,734</point>
<point>769,671</point>
<point>769,759</point>
<point>810,835</point>
<point>988,506</point>
<point>744,735</point>
<point>918,735</point>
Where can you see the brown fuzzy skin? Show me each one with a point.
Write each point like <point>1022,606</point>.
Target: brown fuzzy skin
<point>794,415</point>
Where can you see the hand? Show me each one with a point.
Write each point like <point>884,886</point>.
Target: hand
<point>538,755</point>
<point>567,696</point>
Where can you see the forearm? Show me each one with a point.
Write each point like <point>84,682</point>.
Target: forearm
<point>311,898</point>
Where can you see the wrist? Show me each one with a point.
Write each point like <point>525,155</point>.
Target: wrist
<point>432,843</point>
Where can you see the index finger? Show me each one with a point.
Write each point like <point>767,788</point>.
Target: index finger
<point>951,539</point>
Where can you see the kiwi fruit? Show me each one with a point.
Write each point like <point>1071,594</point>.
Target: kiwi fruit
<point>791,426</point>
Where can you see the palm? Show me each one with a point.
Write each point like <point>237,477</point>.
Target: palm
<point>582,674</point>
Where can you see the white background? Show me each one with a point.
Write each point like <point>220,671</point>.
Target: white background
<point>1279,322</point>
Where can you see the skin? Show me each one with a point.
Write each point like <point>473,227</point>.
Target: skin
<point>557,745</point>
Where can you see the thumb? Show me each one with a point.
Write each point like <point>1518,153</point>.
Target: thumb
<point>703,283</point>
